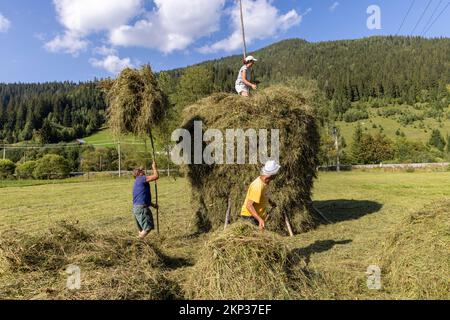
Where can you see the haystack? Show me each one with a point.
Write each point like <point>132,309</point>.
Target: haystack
<point>112,266</point>
<point>415,261</point>
<point>246,264</point>
<point>286,108</point>
<point>136,103</point>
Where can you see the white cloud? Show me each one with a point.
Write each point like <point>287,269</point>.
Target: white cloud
<point>5,24</point>
<point>104,51</point>
<point>111,63</point>
<point>173,25</point>
<point>334,6</point>
<point>262,21</point>
<point>69,42</point>
<point>83,17</point>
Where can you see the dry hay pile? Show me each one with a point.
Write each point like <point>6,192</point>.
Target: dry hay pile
<point>136,103</point>
<point>246,264</point>
<point>416,257</point>
<point>288,109</point>
<point>112,267</point>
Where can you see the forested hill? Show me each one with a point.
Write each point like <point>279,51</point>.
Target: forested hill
<point>350,70</point>
<point>53,112</point>
<point>394,69</point>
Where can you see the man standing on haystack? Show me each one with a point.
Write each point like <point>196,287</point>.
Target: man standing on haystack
<point>256,201</point>
<point>142,200</point>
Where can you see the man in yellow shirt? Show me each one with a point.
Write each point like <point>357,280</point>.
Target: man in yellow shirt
<point>256,201</point>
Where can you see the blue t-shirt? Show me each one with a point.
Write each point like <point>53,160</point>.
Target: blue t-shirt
<point>141,192</point>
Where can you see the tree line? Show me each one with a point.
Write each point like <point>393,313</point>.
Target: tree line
<point>50,112</point>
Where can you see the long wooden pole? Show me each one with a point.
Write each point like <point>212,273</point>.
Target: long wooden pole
<point>228,214</point>
<point>243,29</point>
<point>156,184</point>
<point>288,225</point>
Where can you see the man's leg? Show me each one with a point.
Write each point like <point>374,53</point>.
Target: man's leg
<point>147,223</point>
<point>244,94</point>
<point>136,216</point>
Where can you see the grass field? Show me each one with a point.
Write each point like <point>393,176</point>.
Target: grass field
<point>413,132</point>
<point>105,138</point>
<point>365,207</point>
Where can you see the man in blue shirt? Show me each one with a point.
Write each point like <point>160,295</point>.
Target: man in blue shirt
<point>142,200</point>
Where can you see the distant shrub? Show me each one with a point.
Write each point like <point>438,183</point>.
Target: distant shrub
<point>433,113</point>
<point>391,112</point>
<point>353,115</point>
<point>51,166</point>
<point>410,170</point>
<point>409,118</point>
<point>25,170</point>
<point>7,168</point>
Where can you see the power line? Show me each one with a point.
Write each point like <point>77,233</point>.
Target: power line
<point>57,146</point>
<point>431,17</point>
<point>406,16</point>
<point>421,17</point>
<point>437,18</point>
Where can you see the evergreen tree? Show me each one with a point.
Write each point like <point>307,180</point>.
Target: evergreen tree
<point>437,140</point>
<point>357,145</point>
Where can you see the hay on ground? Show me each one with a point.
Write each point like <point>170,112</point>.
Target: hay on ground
<point>245,263</point>
<point>136,103</point>
<point>416,257</point>
<point>286,108</point>
<point>112,267</point>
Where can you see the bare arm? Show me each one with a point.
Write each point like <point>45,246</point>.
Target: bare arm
<point>155,175</point>
<point>251,208</point>
<point>247,83</point>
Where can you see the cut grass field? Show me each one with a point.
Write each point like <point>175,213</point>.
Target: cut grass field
<point>366,208</point>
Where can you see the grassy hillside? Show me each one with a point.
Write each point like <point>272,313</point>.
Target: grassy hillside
<point>419,130</point>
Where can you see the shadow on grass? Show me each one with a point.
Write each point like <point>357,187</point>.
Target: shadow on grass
<point>344,210</point>
<point>173,263</point>
<point>317,247</point>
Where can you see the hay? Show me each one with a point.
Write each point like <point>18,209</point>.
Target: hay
<point>112,267</point>
<point>136,103</point>
<point>286,108</point>
<point>416,258</point>
<point>246,264</point>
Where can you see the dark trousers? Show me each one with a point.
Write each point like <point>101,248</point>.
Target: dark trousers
<point>250,219</point>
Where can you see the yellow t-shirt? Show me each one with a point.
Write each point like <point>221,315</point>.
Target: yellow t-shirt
<point>257,194</point>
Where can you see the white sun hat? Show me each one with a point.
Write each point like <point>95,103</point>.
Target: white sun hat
<point>271,168</point>
<point>251,58</point>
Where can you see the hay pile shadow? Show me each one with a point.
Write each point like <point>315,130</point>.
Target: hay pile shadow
<point>112,267</point>
<point>286,108</point>
<point>245,263</point>
<point>415,260</point>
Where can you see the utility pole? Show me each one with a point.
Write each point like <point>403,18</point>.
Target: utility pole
<point>336,143</point>
<point>120,159</point>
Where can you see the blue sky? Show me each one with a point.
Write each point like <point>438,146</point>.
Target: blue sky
<point>56,40</point>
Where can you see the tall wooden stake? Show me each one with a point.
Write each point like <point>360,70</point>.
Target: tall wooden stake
<point>243,29</point>
<point>228,214</point>
<point>288,225</point>
<point>120,159</point>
